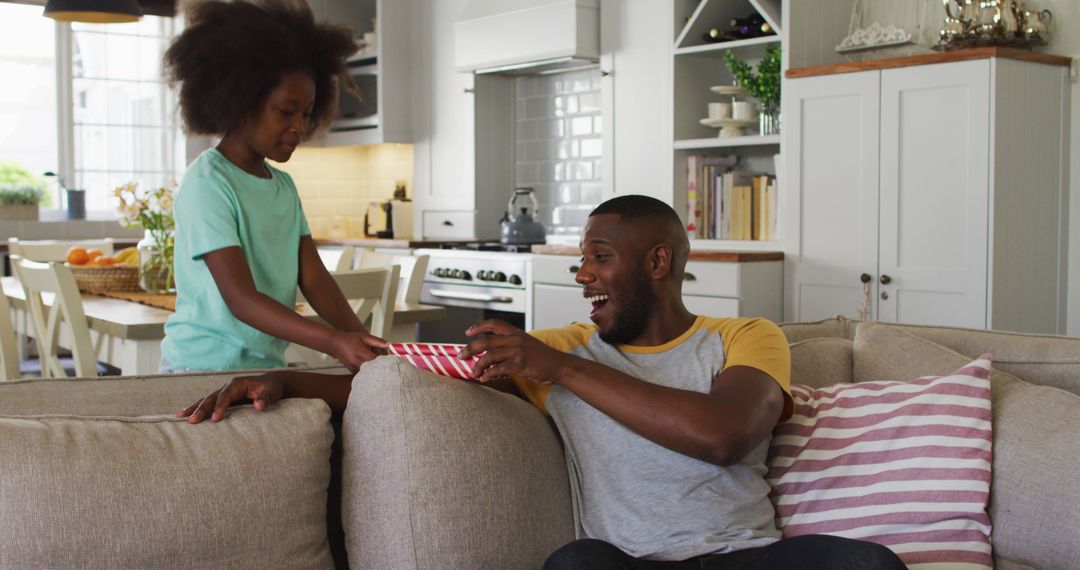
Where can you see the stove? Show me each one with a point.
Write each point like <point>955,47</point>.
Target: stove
<point>475,284</point>
<point>487,246</point>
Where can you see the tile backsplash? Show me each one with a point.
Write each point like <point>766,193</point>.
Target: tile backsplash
<point>336,184</point>
<point>559,146</point>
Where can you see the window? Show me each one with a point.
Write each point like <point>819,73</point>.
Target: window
<point>104,119</point>
<point>124,123</point>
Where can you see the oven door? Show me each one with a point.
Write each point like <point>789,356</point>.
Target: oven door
<point>467,305</point>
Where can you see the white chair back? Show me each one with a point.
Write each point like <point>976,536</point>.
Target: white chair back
<point>9,348</point>
<point>54,250</point>
<point>371,293</point>
<point>52,298</point>
<point>413,268</point>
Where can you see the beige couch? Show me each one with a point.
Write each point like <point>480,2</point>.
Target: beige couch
<point>442,474</point>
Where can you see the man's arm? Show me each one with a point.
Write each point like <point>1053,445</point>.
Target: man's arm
<point>720,427</point>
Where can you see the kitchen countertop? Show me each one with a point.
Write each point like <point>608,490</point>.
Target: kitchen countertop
<point>696,255</point>
<point>387,243</point>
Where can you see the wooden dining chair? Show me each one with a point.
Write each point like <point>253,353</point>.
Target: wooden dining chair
<point>413,268</point>
<point>56,281</point>
<point>371,293</point>
<point>54,250</point>
<point>9,343</point>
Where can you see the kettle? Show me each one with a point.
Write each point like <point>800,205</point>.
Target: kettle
<point>518,225</point>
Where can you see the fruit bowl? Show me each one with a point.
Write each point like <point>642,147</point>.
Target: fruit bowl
<point>99,279</point>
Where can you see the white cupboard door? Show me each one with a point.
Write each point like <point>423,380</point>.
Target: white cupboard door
<point>555,306</point>
<point>934,194</point>
<point>831,159</point>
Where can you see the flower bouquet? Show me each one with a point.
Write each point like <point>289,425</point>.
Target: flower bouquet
<point>153,212</point>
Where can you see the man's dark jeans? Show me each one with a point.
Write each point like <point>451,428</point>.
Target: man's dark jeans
<point>803,552</point>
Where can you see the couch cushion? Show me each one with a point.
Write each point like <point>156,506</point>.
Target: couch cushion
<point>818,362</point>
<point>1036,428</point>
<point>156,492</point>
<point>1046,360</point>
<point>903,464</point>
<point>442,473</point>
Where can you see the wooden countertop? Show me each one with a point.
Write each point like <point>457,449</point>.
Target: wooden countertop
<point>696,255</point>
<point>387,243</point>
<point>923,59</point>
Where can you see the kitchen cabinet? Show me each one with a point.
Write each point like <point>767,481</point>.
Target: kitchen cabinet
<point>715,289</point>
<point>465,164</point>
<point>382,74</point>
<point>697,66</point>
<point>942,185</point>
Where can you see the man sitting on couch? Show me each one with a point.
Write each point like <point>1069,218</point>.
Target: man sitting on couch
<point>665,416</point>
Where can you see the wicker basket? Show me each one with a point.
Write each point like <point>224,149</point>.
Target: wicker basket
<point>98,279</point>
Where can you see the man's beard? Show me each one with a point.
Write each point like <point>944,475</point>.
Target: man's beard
<point>633,310</point>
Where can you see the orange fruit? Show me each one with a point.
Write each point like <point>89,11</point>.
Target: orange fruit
<point>77,256</point>
<point>94,253</point>
<point>105,260</point>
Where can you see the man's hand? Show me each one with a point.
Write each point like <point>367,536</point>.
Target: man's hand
<point>262,390</point>
<point>356,348</point>
<point>511,350</point>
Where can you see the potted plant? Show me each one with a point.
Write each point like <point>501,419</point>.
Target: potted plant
<point>20,193</point>
<point>764,85</point>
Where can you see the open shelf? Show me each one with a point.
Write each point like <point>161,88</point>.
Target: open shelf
<point>719,142</point>
<point>751,48</point>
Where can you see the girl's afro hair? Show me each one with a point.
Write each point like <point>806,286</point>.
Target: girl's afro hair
<point>232,54</point>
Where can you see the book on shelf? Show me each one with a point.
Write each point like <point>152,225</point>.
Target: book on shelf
<point>728,202</point>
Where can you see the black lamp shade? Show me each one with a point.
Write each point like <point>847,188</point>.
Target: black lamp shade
<point>93,11</point>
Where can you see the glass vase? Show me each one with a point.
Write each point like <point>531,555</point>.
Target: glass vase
<point>156,263</point>
<point>769,120</point>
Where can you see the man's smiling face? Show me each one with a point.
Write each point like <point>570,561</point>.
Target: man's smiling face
<point>615,279</point>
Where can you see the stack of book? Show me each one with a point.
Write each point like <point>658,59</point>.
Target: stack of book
<point>726,202</point>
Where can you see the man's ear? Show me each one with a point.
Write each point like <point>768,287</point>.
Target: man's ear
<point>659,262</point>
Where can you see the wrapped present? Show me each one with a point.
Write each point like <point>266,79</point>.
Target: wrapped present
<point>438,358</point>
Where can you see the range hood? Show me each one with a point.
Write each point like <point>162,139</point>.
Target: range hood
<point>517,37</point>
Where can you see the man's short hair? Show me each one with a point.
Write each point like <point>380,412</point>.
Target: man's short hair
<point>635,207</point>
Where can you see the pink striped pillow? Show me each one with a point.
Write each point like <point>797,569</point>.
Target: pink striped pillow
<point>903,464</point>
<point>438,358</point>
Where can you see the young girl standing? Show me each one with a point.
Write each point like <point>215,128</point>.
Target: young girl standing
<point>263,78</point>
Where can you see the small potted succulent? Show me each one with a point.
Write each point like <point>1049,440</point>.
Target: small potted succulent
<point>20,193</point>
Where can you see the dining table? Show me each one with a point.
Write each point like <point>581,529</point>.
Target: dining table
<point>127,334</point>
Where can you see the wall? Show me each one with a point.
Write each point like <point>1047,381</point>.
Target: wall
<point>336,184</point>
<point>559,146</point>
<point>1064,40</point>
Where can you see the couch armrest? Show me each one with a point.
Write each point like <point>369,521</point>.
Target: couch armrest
<point>441,473</point>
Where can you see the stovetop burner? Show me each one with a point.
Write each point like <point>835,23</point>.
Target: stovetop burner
<point>487,246</point>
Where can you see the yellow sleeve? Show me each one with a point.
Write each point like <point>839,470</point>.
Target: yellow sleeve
<point>758,343</point>
<point>563,340</point>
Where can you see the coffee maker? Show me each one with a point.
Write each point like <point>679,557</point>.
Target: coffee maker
<point>389,219</point>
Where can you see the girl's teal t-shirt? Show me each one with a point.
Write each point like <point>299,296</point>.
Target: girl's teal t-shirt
<point>220,205</point>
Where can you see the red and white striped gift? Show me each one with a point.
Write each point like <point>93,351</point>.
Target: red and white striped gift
<point>438,358</point>
<point>902,464</point>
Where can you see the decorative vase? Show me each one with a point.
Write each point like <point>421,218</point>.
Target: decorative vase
<point>769,120</point>
<point>156,263</point>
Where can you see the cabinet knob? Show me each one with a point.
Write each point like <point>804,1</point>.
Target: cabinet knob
<point>885,279</point>
<point>865,278</point>
<point>447,223</point>
<point>574,268</point>
<point>689,277</point>
<point>884,296</point>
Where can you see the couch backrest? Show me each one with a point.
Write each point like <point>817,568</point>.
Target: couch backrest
<point>1047,360</point>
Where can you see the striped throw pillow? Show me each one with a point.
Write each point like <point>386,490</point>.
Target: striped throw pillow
<point>902,464</point>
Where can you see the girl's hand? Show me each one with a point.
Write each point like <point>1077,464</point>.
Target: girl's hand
<point>262,390</point>
<point>356,348</point>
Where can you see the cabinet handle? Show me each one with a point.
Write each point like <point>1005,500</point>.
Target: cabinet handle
<point>574,269</point>
<point>689,277</point>
<point>447,223</point>
<point>885,279</point>
<point>470,296</point>
<point>865,278</point>
<point>470,90</point>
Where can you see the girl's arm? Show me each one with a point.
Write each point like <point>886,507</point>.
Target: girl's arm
<point>233,279</point>
<point>322,292</point>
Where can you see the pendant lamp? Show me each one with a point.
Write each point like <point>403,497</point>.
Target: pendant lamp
<point>93,11</point>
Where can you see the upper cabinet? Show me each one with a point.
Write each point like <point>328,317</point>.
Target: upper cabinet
<point>382,71</point>
<point>713,118</point>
